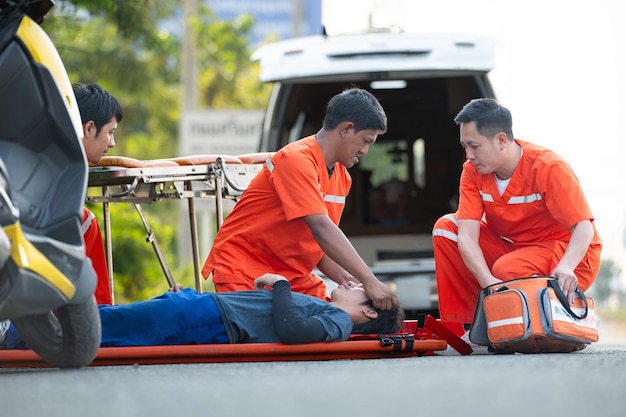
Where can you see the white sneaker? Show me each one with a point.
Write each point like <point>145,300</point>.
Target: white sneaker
<point>476,349</point>
<point>4,329</point>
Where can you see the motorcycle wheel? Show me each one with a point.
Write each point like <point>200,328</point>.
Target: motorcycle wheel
<point>68,337</point>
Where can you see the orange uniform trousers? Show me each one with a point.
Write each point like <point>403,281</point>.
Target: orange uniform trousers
<point>458,289</point>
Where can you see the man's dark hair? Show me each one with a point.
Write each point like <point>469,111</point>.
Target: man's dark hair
<point>357,106</point>
<point>491,118</point>
<point>97,104</point>
<point>388,321</point>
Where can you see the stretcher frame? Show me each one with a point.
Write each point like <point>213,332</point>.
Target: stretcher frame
<point>422,337</point>
<point>253,352</point>
<point>189,178</point>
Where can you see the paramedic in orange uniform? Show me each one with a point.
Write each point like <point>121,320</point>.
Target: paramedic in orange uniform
<point>521,212</point>
<point>100,113</point>
<point>287,219</point>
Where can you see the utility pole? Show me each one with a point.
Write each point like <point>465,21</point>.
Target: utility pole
<point>189,64</point>
<point>297,18</point>
<point>189,102</point>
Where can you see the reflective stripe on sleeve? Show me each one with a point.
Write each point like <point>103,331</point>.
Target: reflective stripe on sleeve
<point>335,199</point>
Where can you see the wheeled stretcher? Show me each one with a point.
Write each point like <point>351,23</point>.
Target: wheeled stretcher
<point>122,179</point>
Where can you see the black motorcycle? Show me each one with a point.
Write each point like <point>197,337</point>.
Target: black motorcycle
<point>46,282</point>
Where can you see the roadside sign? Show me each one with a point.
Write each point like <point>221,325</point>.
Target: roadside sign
<point>229,132</point>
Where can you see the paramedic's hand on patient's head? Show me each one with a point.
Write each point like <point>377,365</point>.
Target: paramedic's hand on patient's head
<point>567,281</point>
<point>267,280</point>
<point>380,294</point>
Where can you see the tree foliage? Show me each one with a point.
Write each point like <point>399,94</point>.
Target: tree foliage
<point>133,49</point>
<point>143,74</point>
<point>227,77</point>
<point>136,20</point>
<point>137,273</point>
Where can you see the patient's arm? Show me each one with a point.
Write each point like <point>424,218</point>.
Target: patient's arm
<point>289,326</point>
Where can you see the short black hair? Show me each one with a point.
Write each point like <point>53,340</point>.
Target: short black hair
<point>491,118</point>
<point>97,104</point>
<point>357,106</point>
<point>388,321</point>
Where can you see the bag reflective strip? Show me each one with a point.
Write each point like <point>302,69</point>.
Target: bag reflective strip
<point>335,199</point>
<point>446,233</point>
<point>487,197</point>
<point>87,222</point>
<point>505,322</point>
<point>524,199</point>
<point>270,166</point>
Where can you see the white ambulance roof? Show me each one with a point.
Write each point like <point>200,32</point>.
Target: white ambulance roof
<point>319,56</point>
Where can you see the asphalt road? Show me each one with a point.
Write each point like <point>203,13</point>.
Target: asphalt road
<point>591,382</point>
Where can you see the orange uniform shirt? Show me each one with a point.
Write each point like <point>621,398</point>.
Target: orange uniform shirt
<point>266,232</point>
<point>542,202</point>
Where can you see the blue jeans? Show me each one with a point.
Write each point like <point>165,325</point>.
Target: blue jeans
<point>174,318</point>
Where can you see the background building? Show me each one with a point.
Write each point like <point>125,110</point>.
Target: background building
<point>282,19</point>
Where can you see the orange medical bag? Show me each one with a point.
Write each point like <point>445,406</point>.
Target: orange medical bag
<point>532,315</point>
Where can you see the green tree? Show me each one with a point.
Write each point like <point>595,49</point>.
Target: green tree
<point>136,20</point>
<point>142,75</point>
<point>124,46</point>
<point>136,270</point>
<point>228,79</point>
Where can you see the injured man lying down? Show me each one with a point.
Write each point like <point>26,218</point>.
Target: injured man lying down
<point>271,313</point>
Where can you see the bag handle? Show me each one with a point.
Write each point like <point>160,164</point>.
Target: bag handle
<point>554,284</point>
